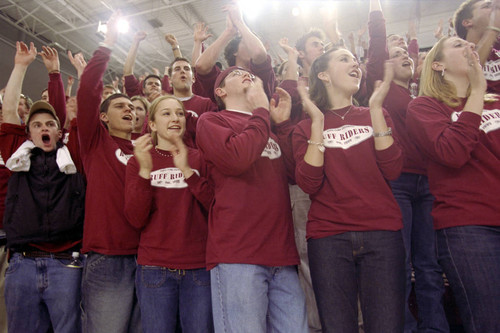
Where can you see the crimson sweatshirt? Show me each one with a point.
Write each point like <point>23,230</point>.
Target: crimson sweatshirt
<point>250,220</point>
<point>350,192</point>
<point>104,157</point>
<point>170,211</point>
<point>463,150</point>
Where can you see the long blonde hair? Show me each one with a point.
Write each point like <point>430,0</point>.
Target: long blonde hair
<point>433,83</point>
<point>154,108</point>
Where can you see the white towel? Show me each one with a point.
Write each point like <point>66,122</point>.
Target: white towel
<point>20,160</point>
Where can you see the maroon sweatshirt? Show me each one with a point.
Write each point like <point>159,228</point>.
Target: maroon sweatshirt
<point>250,220</point>
<point>463,151</point>
<point>104,157</point>
<point>350,192</point>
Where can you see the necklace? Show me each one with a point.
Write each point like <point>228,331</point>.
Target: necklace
<point>164,155</point>
<point>345,114</point>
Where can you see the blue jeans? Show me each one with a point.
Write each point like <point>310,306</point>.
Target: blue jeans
<point>470,256</point>
<point>109,303</point>
<point>254,298</point>
<point>415,201</point>
<point>42,292</point>
<point>368,263</point>
<point>162,292</point>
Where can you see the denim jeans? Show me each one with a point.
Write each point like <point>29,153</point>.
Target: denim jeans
<point>162,292</point>
<point>42,292</point>
<point>109,303</point>
<point>415,201</point>
<point>368,263</point>
<point>254,298</point>
<point>470,256</point>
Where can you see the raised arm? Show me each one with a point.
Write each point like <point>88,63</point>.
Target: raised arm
<point>253,44</point>
<point>377,48</point>
<point>209,57</point>
<point>24,57</point>
<point>57,95</point>
<point>200,35</point>
<point>292,72</point>
<point>174,44</point>
<point>128,67</point>
<point>490,36</point>
<point>78,61</point>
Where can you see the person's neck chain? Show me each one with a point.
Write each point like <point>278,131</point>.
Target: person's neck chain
<point>162,154</point>
<point>345,114</point>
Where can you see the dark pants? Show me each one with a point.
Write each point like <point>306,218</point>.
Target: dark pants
<point>415,201</point>
<point>470,256</point>
<point>370,263</point>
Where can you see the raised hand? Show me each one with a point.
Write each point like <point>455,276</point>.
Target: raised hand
<point>201,32</point>
<point>78,61</point>
<point>281,112</point>
<point>140,36</point>
<point>112,31</point>
<point>142,148</point>
<point>438,33</point>
<point>283,43</point>
<point>171,40</point>
<point>234,13</point>
<point>50,59</point>
<point>308,106</point>
<point>475,72</point>
<point>24,55</point>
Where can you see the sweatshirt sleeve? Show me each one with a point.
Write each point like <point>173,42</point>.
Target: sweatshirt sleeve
<point>284,132</point>
<point>133,86</point>
<point>266,73</point>
<point>377,50</point>
<point>89,99</point>
<point>390,160</point>
<point>230,152</point>
<point>57,96</point>
<point>138,196</point>
<point>205,83</point>
<point>200,186</point>
<point>308,177</point>
<point>430,126</point>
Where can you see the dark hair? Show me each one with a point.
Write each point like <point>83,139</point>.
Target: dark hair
<point>317,89</point>
<point>230,50</point>
<point>105,104</point>
<point>462,13</point>
<point>172,64</point>
<point>28,102</point>
<point>148,77</point>
<point>300,45</point>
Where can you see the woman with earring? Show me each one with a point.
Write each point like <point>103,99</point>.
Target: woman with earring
<point>345,157</point>
<point>457,127</point>
<point>167,197</point>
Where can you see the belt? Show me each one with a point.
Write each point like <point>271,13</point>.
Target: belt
<point>43,254</point>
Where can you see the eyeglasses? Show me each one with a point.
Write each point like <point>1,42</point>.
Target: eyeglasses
<point>241,73</point>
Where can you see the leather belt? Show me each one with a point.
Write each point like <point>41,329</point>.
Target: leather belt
<point>43,254</point>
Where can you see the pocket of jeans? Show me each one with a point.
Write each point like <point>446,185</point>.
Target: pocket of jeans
<point>201,277</point>
<point>14,263</point>
<point>153,276</point>
<point>94,260</point>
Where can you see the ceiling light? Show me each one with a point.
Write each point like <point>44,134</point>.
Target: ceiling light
<point>122,26</point>
<point>295,11</point>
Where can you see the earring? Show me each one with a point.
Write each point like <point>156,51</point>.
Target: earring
<point>442,73</point>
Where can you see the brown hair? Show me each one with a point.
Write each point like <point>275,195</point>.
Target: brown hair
<point>462,13</point>
<point>317,89</point>
<point>300,45</point>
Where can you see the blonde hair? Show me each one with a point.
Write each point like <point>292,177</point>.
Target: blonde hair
<point>154,108</point>
<point>433,83</point>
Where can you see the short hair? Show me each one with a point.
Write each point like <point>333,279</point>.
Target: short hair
<point>154,108</point>
<point>173,62</point>
<point>105,104</point>
<point>110,86</point>
<point>462,13</point>
<point>317,89</point>
<point>148,77</point>
<point>230,50</point>
<point>300,45</point>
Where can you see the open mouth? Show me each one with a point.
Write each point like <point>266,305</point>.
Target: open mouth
<point>406,63</point>
<point>174,127</point>
<point>45,138</point>
<point>354,74</point>
<point>127,117</point>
